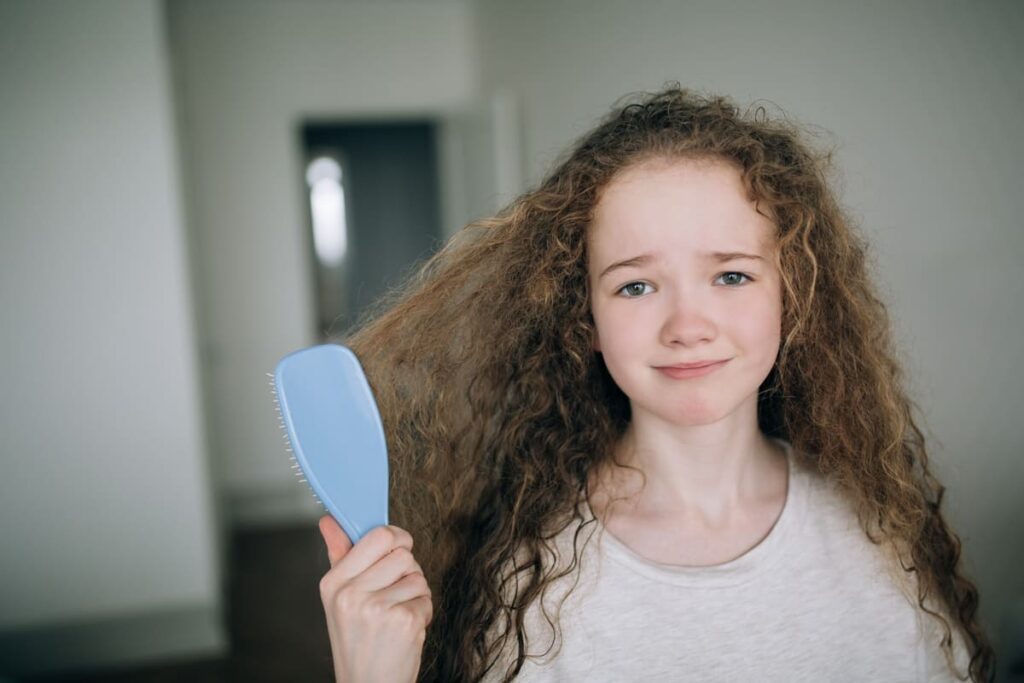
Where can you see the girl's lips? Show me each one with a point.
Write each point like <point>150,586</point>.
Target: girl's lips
<point>676,372</point>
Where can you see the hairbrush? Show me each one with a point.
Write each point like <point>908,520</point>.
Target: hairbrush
<point>327,411</point>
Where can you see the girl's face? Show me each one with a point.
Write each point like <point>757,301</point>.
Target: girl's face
<point>668,287</point>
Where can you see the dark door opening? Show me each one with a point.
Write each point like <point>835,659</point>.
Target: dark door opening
<point>373,212</point>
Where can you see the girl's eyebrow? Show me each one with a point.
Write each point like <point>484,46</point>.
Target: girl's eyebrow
<point>723,256</point>
<point>640,260</point>
<point>717,256</point>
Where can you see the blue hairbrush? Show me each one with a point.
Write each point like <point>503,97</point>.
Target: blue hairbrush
<point>327,411</point>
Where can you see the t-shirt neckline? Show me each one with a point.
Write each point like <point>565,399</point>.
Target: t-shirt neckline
<point>738,570</point>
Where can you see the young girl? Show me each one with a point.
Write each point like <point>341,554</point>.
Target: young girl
<point>647,424</point>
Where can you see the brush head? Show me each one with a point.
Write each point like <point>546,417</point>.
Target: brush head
<point>327,411</point>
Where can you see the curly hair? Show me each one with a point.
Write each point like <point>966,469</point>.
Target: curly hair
<point>497,408</point>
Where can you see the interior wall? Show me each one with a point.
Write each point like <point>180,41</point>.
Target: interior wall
<point>105,497</point>
<point>922,101</point>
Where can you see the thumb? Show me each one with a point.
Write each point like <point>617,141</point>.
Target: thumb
<point>337,541</point>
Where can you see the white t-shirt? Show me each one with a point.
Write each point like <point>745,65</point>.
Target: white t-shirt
<point>813,601</point>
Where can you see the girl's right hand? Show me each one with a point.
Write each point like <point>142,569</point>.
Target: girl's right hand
<point>377,603</point>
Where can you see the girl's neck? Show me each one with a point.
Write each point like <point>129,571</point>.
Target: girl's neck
<point>706,477</point>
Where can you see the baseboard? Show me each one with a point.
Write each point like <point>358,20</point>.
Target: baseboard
<point>184,633</point>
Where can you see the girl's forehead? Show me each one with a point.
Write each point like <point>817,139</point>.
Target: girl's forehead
<point>701,203</point>
<point>693,185</point>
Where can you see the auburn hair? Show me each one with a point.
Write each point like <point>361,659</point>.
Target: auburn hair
<point>497,409</point>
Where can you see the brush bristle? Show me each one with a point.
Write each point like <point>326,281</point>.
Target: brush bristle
<point>296,468</point>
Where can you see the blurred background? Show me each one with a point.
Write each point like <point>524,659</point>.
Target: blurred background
<point>190,190</point>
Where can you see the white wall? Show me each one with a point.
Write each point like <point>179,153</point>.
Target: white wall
<point>105,498</point>
<point>249,73</point>
<point>924,100</point>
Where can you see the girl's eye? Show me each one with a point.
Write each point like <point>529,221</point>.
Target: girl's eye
<point>732,280</point>
<point>634,289</point>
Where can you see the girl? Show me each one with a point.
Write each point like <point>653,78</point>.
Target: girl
<point>647,424</point>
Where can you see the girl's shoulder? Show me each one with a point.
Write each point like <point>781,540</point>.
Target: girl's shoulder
<point>568,572</point>
<point>833,517</point>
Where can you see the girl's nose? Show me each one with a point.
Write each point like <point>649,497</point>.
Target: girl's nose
<point>687,322</point>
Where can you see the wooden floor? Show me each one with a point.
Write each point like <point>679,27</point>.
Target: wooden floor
<point>275,619</point>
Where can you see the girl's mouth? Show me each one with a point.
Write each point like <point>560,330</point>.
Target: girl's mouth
<point>677,372</point>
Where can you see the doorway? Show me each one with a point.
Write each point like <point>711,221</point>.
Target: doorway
<point>373,211</point>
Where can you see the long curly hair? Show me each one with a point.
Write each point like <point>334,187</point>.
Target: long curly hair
<point>497,409</point>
